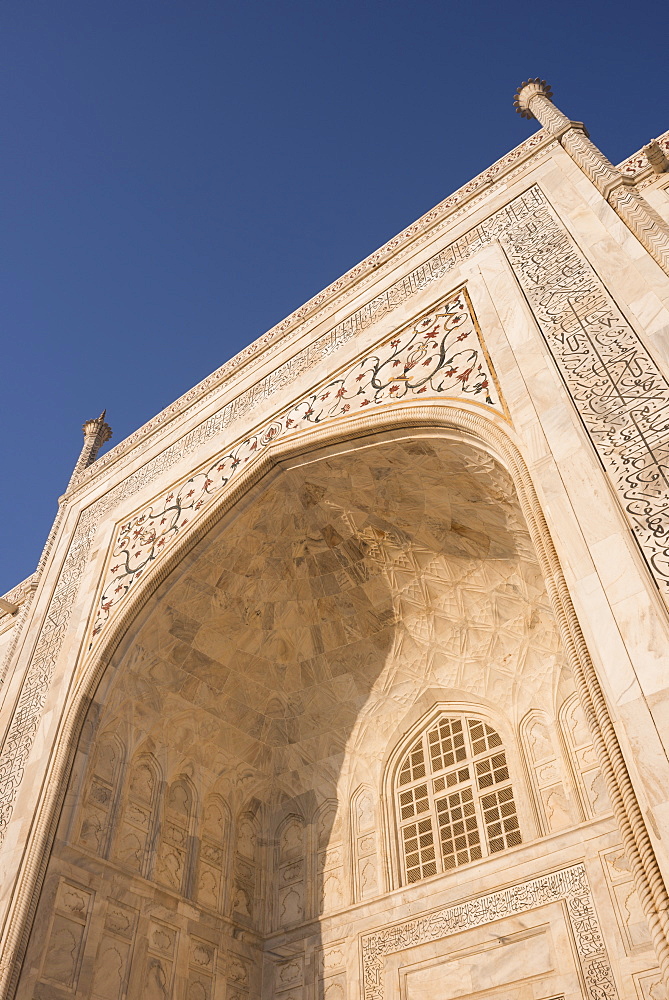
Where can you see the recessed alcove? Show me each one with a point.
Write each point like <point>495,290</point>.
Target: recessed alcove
<point>226,800</point>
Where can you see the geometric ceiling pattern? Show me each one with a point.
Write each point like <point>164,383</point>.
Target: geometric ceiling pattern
<point>308,626</point>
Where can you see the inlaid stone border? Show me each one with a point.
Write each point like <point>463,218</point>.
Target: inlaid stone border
<point>438,355</point>
<point>568,885</point>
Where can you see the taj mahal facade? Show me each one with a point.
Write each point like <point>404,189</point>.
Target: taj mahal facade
<point>346,677</point>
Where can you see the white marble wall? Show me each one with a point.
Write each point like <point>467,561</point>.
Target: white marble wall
<point>201,918</point>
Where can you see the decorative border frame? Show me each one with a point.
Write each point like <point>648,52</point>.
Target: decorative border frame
<point>569,885</point>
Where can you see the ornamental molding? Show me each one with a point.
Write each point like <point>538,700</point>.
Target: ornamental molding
<point>461,203</point>
<point>569,886</point>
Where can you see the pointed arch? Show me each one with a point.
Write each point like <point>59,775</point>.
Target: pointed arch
<point>290,866</point>
<point>214,857</point>
<point>553,806</point>
<point>101,794</point>
<point>450,793</point>
<point>135,841</point>
<point>583,760</point>
<point>173,858</point>
<point>444,420</point>
<point>365,842</point>
<point>246,872</point>
<point>328,859</point>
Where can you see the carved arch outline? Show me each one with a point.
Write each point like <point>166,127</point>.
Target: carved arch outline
<point>531,764</point>
<point>142,757</point>
<point>447,421</point>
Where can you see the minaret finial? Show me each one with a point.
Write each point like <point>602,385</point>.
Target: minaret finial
<point>534,99</point>
<point>531,88</point>
<point>96,433</point>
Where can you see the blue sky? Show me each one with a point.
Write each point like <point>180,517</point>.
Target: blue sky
<point>178,176</point>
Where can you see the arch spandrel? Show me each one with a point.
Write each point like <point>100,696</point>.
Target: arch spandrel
<point>440,355</point>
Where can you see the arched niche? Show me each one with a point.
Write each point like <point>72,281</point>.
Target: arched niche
<point>336,594</point>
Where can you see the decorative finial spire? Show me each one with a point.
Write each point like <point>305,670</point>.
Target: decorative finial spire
<point>534,99</point>
<point>96,433</point>
<point>531,88</point>
<point>97,428</point>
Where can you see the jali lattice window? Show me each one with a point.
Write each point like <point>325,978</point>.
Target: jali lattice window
<point>454,798</point>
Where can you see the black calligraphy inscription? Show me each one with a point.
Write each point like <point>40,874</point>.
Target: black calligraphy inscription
<point>617,388</point>
<point>570,886</point>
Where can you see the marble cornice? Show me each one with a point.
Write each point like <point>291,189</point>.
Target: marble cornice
<point>330,300</point>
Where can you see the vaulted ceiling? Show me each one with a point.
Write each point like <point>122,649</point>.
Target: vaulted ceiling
<point>314,620</point>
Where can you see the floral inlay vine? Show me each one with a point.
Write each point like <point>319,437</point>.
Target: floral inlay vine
<point>439,355</point>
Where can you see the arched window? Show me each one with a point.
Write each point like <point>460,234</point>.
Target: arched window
<point>453,798</point>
